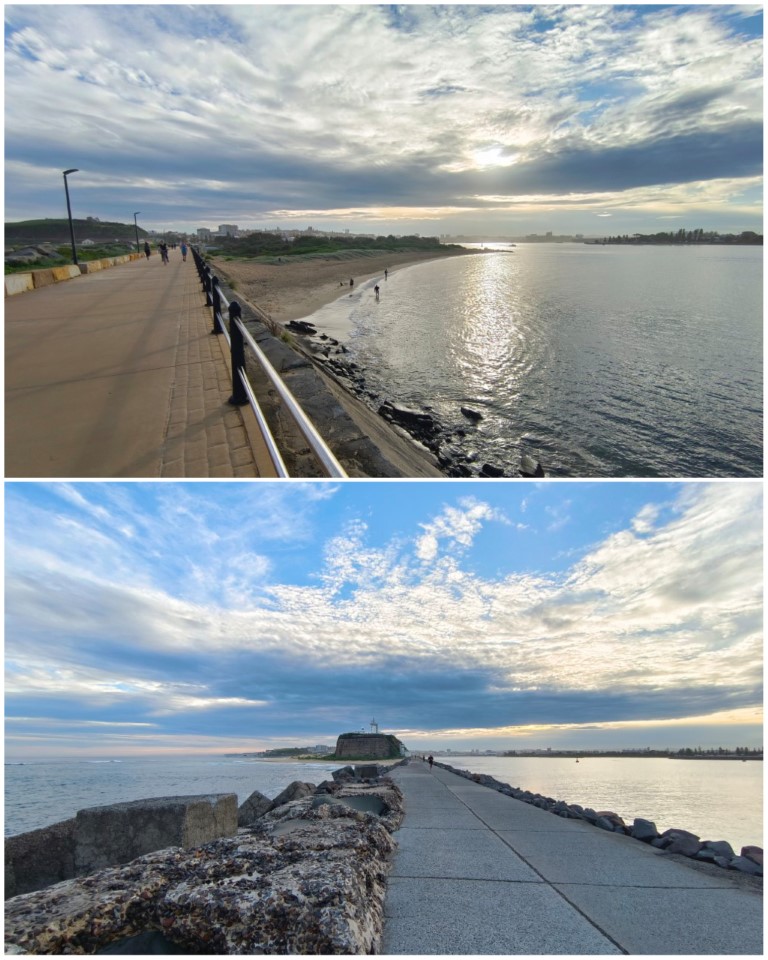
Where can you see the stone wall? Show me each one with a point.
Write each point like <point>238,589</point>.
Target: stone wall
<point>118,833</point>
<point>368,746</point>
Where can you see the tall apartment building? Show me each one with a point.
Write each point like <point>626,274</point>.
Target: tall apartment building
<point>228,230</point>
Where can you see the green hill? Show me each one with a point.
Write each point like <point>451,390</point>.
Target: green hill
<point>32,232</point>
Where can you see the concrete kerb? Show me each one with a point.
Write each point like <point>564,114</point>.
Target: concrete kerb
<point>35,279</point>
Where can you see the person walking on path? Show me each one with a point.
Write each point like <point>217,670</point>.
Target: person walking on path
<point>164,252</point>
<point>430,760</point>
<point>183,252</point>
<point>147,249</point>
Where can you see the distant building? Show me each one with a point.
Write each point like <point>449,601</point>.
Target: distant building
<point>228,229</point>
<point>203,233</point>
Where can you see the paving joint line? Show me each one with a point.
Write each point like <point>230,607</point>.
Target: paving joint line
<point>559,893</point>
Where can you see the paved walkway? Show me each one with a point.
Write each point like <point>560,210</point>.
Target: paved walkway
<point>116,374</point>
<point>478,872</point>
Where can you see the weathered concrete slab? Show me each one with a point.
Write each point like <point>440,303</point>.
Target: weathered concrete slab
<point>38,858</point>
<point>67,272</point>
<point>491,859</point>
<point>91,266</point>
<point>18,283</point>
<point>120,832</point>
<point>479,917</point>
<point>661,921</point>
<point>579,856</point>
<point>43,278</point>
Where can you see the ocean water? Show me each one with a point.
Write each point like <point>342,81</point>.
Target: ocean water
<point>718,799</point>
<point>597,361</point>
<point>715,799</point>
<point>38,793</point>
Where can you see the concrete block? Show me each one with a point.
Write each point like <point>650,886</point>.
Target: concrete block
<point>368,771</point>
<point>39,858</point>
<point>109,835</point>
<point>90,266</point>
<point>18,283</point>
<point>42,278</point>
<point>65,273</point>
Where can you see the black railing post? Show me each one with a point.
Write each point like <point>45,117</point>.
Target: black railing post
<point>216,304</point>
<point>239,396</point>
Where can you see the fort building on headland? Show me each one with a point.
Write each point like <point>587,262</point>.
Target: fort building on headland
<point>369,746</point>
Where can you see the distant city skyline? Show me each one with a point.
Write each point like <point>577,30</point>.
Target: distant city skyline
<point>432,119</point>
<point>204,617</point>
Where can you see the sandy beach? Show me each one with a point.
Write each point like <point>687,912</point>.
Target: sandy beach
<point>295,288</point>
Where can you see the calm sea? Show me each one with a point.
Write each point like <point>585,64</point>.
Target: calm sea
<point>715,799</point>
<point>719,800</point>
<point>598,361</point>
<point>39,792</point>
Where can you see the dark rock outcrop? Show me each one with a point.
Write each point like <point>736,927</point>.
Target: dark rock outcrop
<point>294,791</point>
<point>253,807</point>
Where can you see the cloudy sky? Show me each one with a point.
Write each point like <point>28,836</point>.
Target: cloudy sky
<point>156,617</point>
<point>417,118</point>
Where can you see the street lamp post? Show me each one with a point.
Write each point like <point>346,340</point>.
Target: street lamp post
<point>69,214</point>
<point>136,227</point>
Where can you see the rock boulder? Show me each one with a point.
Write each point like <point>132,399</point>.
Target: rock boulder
<point>252,808</point>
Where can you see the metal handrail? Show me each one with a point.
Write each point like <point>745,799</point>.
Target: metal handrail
<point>274,453</point>
<point>216,300</point>
<point>320,448</point>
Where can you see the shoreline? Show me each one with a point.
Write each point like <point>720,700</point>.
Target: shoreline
<point>286,295</point>
<point>294,290</point>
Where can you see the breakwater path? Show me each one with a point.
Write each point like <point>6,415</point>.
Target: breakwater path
<point>478,872</point>
<point>116,374</point>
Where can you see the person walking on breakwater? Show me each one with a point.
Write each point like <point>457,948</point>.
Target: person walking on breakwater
<point>147,249</point>
<point>183,252</point>
<point>164,252</point>
<point>430,760</point>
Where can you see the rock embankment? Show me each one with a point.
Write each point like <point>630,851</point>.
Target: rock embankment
<point>672,841</point>
<point>307,876</point>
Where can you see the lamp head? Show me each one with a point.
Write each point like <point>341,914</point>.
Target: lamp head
<point>73,170</point>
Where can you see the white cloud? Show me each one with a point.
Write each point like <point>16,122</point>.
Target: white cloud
<point>672,601</point>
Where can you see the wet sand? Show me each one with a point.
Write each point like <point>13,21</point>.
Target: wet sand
<point>295,288</point>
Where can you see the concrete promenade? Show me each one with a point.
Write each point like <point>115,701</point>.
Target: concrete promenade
<point>478,872</point>
<point>115,374</point>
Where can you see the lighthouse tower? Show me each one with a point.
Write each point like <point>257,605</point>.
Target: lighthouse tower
<point>374,726</point>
